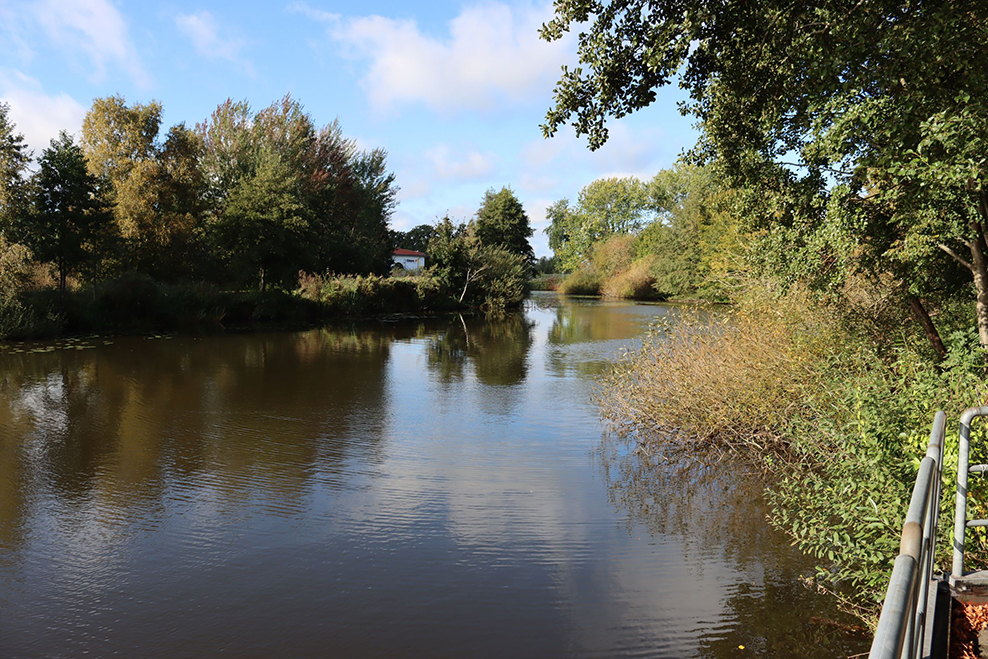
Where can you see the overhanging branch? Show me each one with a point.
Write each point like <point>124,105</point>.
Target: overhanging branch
<point>957,257</point>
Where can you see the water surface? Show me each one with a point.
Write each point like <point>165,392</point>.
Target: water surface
<point>434,488</point>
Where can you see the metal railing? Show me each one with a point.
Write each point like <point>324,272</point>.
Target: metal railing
<point>902,626</point>
<point>961,522</point>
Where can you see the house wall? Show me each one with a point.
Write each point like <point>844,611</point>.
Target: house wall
<point>410,262</point>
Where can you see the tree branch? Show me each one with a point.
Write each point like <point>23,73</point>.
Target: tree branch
<point>956,256</point>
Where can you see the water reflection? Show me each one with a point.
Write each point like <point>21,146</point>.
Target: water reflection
<point>715,506</point>
<point>497,348</point>
<point>416,488</point>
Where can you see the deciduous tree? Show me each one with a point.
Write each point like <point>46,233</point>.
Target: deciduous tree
<point>502,222</point>
<point>859,127</point>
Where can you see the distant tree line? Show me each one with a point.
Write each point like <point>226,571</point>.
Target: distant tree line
<point>244,199</point>
<point>670,236</point>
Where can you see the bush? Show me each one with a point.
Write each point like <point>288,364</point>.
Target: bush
<point>635,283</point>
<point>782,382</point>
<point>581,282</point>
<point>545,282</point>
<point>350,295</point>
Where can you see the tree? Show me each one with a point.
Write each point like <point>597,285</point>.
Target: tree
<point>264,224</point>
<point>156,189</point>
<point>857,126</point>
<point>346,196</point>
<point>605,207</point>
<point>417,238</point>
<point>502,222</point>
<point>14,157</point>
<point>67,214</point>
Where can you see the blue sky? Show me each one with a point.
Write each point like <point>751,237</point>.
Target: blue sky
<point>455,92</point>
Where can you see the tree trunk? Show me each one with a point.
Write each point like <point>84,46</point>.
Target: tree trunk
<point>920,314</point>
<point>979,268</point>
<point>466,283</point>
<point>262,279</point>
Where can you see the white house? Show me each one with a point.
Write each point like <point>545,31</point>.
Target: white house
<point>409,259</point>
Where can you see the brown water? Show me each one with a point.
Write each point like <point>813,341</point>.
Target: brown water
<point>434,488</point>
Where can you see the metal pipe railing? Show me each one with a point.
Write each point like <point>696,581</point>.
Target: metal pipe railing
<point>963,471</point>
<point>902,625</point>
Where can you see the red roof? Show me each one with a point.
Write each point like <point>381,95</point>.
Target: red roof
<point>408,252</point>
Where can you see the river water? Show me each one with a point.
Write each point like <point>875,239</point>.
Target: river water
<point>433,488</point>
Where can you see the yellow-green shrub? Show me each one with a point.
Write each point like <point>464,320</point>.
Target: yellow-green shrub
<point>634,283</point>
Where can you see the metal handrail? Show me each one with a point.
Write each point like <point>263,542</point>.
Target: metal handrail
<point>902,625</point>
<point>963,470</point>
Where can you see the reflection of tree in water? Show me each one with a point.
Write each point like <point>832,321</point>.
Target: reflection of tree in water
<point>253,416</point>
<point>718,511</point>
<point>497,348</point>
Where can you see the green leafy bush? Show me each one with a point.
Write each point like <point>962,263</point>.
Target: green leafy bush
<point>581,282</point>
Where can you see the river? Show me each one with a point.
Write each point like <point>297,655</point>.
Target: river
<point>419,488</point>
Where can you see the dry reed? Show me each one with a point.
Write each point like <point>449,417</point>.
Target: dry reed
<point>733,377</point>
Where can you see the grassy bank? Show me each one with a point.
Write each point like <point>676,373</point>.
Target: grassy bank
<point>136,303</point>
<point>818,397</point>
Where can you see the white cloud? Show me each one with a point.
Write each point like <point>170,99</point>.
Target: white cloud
<point>202,30</point>
<point>96,28</point>
<point>491,56</point>
<point>469,166</point>
<point>37,114</point>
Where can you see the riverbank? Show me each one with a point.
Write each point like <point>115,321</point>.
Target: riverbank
<point>136,304</point>
<point>834,405</point>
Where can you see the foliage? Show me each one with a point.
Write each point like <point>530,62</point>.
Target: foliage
<point>634,283</point>
<point>502,222</point>
<point>503,278</point>
<point>784,382</point>
<point>473,273</point>
<point>372,294</point>
<point>416,238</point>
<point>342,199</point>
<point>67,216</point>
<point>604,208</point>
<point>854,131</point>
<point>14,157</point>
<point>545,282</point>
<point>689,249</point>
<point>263,223</point>
<point>581,282</point>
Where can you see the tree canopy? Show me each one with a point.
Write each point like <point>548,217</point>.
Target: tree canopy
<point>67,215</point>
<point>858,128</point>
<point>502,222</point>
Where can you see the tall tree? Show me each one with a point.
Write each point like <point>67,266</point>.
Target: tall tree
<point>264,224</point>
<point>605,207</point>
<point>67,214</point>
<point>417,238</point>
<point>155,212</point>
<point>348,196</point>
<point>502,222</point>
<point>14,157</point>
<point>858,125</point>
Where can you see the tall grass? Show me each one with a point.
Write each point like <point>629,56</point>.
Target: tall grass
<point>782,382</point>
<point>736,376</point>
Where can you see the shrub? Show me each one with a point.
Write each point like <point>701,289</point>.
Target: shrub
<point>545,282</point>
<point>781,382</point>
<point>581,282</point>
<point>350,295</point>
<point>614,255</point>
<point>635,283</point>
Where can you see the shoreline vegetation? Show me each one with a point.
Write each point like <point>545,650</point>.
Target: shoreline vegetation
<point>132,230</point>
<point>819,369</point>
<point>847,222</point>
